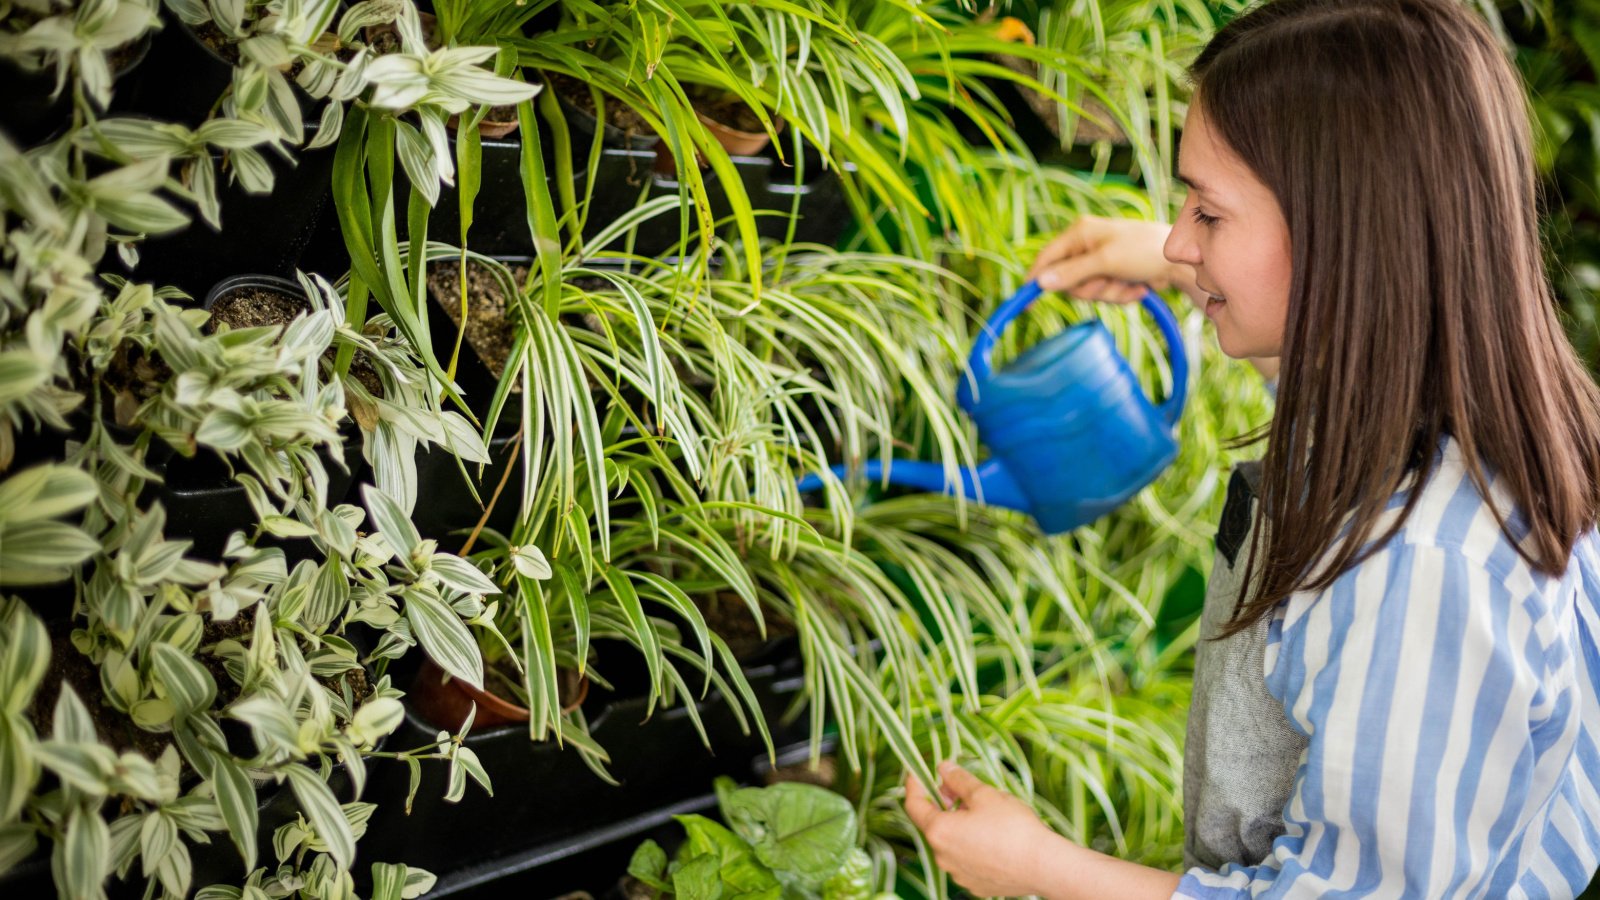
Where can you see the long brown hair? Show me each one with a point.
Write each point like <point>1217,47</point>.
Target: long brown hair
<point>1395,135</point>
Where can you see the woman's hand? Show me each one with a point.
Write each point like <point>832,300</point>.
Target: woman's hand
<point>990,842</point>
<point>1109,259</point>
<point>993,845</point>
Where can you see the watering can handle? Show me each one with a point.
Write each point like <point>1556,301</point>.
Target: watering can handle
<point>1177,360</point>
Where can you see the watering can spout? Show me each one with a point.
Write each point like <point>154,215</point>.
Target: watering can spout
<point>997,486</point>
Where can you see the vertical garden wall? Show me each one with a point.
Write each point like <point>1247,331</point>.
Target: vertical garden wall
<point>401,407</point>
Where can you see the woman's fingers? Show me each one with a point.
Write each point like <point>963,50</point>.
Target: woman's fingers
<point>959,783</point>
<point>919,807</point>
<point>1105,259</point>
<point>1075,241</point>
<point>1068,273</point>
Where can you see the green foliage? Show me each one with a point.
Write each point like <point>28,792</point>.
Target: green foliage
<point>1557,49</point>
<point>787,840</point>
<point>663,410</point>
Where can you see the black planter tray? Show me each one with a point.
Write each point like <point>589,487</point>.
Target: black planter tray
<point>548,805</point>
<point>625,179</point>
<point>595,861</point>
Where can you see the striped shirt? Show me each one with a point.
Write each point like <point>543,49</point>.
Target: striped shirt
<point>1448,693</point>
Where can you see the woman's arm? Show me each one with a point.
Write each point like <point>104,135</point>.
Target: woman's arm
<point>993,845</point>
<point>1112,260</point>
<point>1418,679</point>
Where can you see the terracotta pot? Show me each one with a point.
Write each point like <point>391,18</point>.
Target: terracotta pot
<point>736,142</point>
<point>444,701</point>
<point>491,128</point>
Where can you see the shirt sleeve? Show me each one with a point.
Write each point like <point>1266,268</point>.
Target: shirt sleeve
<point>1418,679</point>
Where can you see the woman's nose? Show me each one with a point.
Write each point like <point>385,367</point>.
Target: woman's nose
<point>1181,247</point>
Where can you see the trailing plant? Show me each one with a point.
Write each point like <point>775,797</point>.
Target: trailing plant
<point>132,659</point>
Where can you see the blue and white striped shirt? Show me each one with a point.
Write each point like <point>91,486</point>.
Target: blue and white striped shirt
<point>1448,692</point>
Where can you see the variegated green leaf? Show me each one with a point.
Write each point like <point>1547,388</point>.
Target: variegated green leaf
<point>376,718</point>
<point>19,767</point>
<point>45,492</point>
<point>157,836</point>
<point>443,636</point>
<point>236,800</point>
<point>42,552</point>
<point>460,575</point>
<point>80,861</point>
<point>324,814</point>
<point>18,840</point>
<point>391,521</point>
<point>189,686</point>
<point>24,655</point>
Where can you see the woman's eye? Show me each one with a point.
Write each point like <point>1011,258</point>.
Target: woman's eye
<point>1204,219</point>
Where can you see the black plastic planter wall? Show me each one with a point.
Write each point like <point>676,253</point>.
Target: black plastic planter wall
<point>31,112</point>
<point>444,505</point>
<point>260,233</point>
<point>547,804</point>
<point>626,178</point>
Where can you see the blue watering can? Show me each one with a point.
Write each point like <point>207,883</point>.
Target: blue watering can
<point>1071,434</point>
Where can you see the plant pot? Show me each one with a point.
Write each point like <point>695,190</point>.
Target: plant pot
<point>493,128</point>
<point>191,76</point>
<point>489,323</point>
<point>736,142</point>
<point>444,701</point>
<point>265,233</point>
<point>31,113</point>
<point>203,502</point>
<point>619,133</point>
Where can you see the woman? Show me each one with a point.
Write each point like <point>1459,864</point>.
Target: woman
<point>1395,690</point>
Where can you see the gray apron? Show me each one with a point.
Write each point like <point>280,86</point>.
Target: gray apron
<point>1241,754</point>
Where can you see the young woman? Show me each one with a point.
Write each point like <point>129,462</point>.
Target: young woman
<point>1396,689</point>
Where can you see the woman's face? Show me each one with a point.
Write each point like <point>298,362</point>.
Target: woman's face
<point>1232,231</point>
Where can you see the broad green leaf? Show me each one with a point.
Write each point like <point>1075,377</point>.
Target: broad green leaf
<point>649,865</point>
<point>800,829</point>
<point>734,867</point>
<point>853,881</point>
